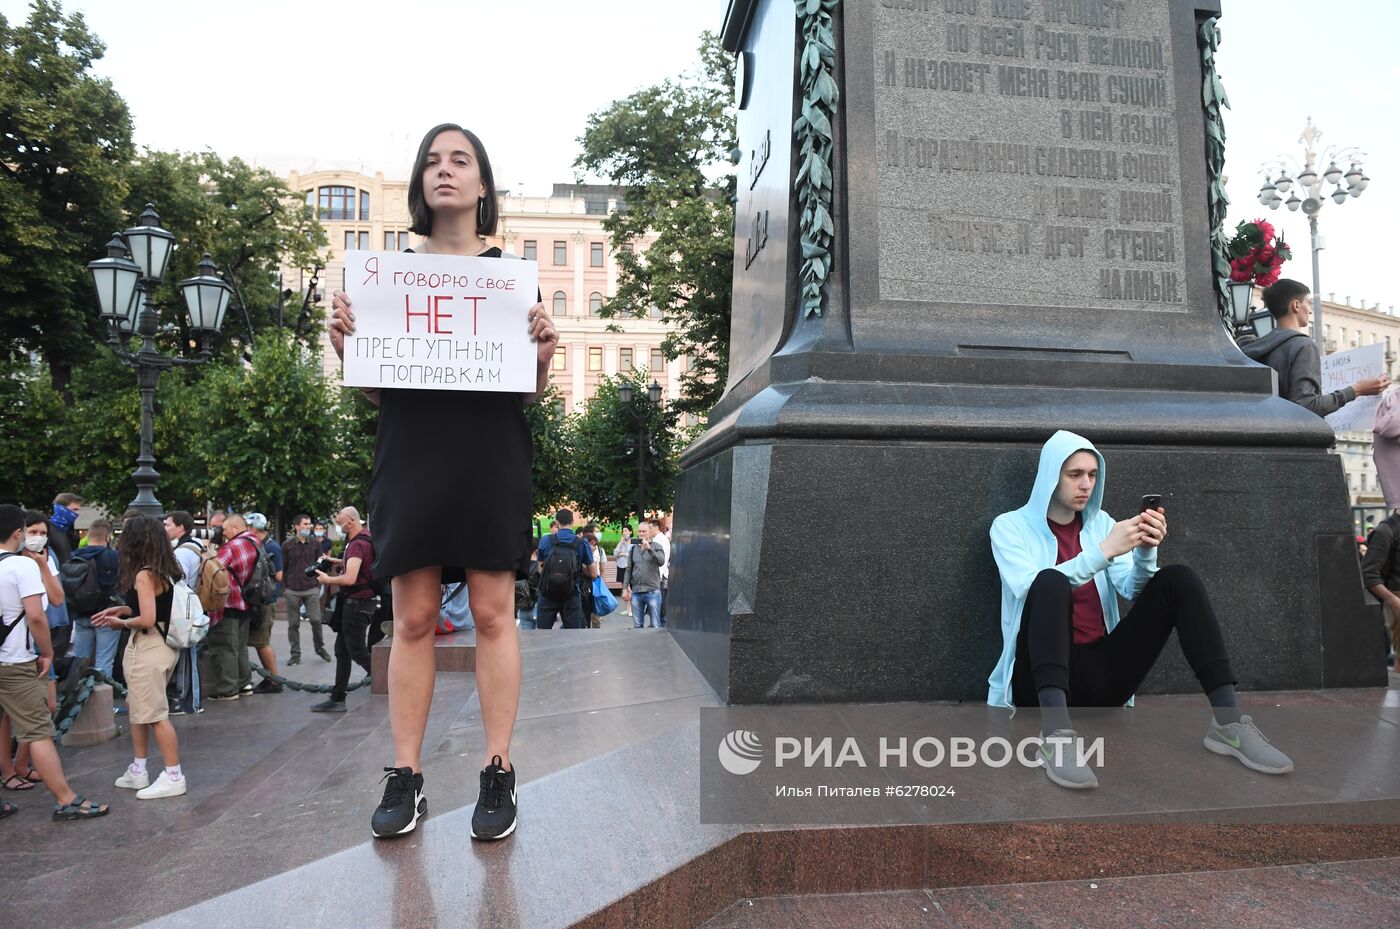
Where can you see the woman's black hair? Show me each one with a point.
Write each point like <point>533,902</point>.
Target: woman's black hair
<point>488,211</point>
<point>144,545</point>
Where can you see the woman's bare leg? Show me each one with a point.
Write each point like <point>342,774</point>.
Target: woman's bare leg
<point>412,667</point>
<point>492,596</point>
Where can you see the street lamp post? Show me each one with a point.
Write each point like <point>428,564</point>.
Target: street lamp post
<point>126,299</point>
<point>643,439</point>
<point>1309,182</point>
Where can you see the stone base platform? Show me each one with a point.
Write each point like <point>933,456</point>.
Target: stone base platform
<point>452,653</point>
<point>275,829</point>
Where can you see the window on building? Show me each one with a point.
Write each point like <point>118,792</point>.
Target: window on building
<point>595,358</point>
<point>561,253</point>
<point>403,241</point>
<point>654,312</point>
<point>364,241</point>
<point>311,202</point>
<point>391,240</point>
<point>336,203</point>
<point>531,252</point>
<point>595,254</point>
<point>624,359</point>
<point>658,361</point>
<point>595,206</point>
<point>349,240</point>
<point>595,304</point>
<point>561,304</point>
<point>561,358</point>
<point>364,206</point>
<point>1344,337</point>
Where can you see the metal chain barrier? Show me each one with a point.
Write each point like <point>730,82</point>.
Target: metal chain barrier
<point>69,712</point>
<point>307,688</point>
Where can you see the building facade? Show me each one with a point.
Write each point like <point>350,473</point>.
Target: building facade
<point>562,232</point>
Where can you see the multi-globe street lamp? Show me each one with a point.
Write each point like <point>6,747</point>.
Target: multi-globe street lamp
<point>1305,179</point>
<point>642,413</point>
<point>126,282</point>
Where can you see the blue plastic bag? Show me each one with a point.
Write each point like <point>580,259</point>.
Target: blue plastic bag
<point>603,600</point>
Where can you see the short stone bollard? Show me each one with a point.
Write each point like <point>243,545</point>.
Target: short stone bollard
<point>95,723</point>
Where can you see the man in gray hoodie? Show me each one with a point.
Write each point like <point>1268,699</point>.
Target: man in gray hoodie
<point>1290,352</point>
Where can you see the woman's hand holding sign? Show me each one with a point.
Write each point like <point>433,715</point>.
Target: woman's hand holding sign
<point>342,322</point>
<point>543,333</point>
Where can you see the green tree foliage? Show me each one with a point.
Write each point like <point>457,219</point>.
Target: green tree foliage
<point>246,219</point>
<point>262,433</point>
<point>667,144</point>
<point>65,139</point>
<point>100,437</point>
<point>31,419</point>
<point>352,448</point>
<point>553,464</point>
<point>604,474</point>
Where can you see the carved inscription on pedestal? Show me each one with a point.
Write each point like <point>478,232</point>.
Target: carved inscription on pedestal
<point>1028,154</point>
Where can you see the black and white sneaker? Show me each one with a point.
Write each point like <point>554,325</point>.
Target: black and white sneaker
<point>403,803</point>
<point>494,817</point>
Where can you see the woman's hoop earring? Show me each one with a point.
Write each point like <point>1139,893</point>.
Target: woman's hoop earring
<point>480,214</point>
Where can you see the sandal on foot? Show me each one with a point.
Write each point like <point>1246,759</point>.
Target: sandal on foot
<point>17,782</point>
<point>7,809</point>
<point>80,808</point>
<point>32,776</point>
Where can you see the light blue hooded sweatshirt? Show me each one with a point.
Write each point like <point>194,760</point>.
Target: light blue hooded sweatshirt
<point>1023,546</point>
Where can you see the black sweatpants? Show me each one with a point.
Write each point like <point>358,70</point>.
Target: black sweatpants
<point>352,641</point>
<point>1108,671</point>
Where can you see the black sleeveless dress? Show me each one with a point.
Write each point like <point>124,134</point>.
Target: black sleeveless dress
<point>451,484</point>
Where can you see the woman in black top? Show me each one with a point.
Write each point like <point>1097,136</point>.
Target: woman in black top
<point>442,460</point>
<point>147,571</point>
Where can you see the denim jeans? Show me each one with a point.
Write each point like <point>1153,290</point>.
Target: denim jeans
<point>525,618</point>
<point>183,689</point>
<point>643,603</point>
<point>103,641</point>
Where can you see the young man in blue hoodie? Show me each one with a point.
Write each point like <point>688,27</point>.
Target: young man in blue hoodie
<point>1063,563</point>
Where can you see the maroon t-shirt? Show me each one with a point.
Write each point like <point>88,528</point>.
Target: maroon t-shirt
<point>1089,624</point>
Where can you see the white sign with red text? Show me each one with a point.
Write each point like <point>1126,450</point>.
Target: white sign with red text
<point>1345,368</point>
<point>440,322</point>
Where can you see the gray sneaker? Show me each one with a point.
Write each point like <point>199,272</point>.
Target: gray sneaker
<point>1059,753</point>
<point>1244,740</point>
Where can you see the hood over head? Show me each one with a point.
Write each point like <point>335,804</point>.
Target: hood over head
<point>1057,449</point>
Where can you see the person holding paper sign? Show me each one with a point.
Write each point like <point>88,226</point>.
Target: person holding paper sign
<point>1295,356</point>
<point>467,454</point>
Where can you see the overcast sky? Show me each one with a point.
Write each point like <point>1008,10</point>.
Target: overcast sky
<point>352,84</point>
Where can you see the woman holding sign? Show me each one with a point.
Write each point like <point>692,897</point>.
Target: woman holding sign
<point>444,459</point>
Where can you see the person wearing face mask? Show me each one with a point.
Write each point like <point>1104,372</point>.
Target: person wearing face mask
<point>25,656</point>
<point>303,592</point>
<point>36,546</point>
<point>63,529</point>
<point>357,608</point>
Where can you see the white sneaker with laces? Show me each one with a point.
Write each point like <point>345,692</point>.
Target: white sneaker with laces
<point>131,780</point>
<point>162,788</point>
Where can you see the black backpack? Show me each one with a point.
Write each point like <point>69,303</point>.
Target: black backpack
<point>559,577</point>
<point>82,592</point>
<point>261,588</point>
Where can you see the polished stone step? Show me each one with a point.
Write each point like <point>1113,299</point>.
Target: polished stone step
<point>454,653</point>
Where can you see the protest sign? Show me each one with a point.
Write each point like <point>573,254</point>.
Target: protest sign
<point>440,322</point>
<point>1345,368</point>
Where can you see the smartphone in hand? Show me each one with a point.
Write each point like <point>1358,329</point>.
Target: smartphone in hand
<point>1150,502</point>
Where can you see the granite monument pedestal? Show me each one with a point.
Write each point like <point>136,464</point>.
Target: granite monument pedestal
<point>1019,241</point>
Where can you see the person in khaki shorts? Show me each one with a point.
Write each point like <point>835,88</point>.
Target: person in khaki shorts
<point>147,572</point>
<point>26,654</point>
